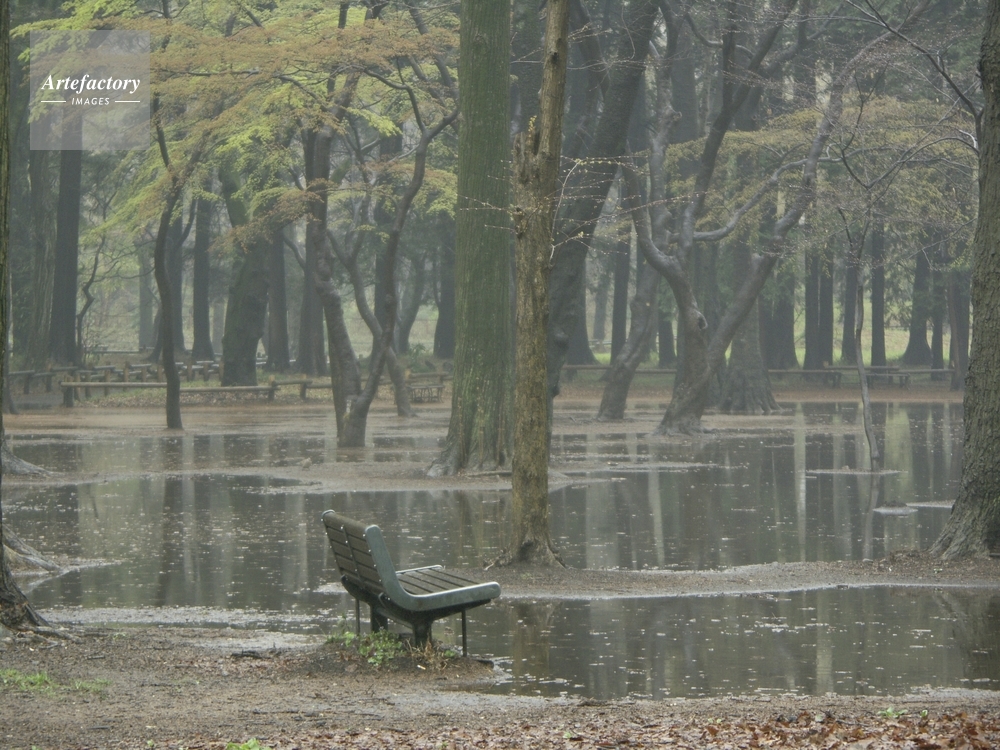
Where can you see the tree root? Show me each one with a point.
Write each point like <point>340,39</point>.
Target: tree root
<point>18,466</point>
<point>529,554</point>
<point>18,552</point>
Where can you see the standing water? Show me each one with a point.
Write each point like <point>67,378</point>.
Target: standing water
<point>200,523</point>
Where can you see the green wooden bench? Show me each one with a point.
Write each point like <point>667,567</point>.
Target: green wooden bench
<point>416,597</point>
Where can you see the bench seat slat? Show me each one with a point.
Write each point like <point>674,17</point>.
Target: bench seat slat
<point>436,580</point>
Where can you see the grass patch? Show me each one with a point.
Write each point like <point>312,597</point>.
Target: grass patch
<point>40,682</point>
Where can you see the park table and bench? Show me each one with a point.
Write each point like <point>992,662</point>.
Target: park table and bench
<point>417,597</point>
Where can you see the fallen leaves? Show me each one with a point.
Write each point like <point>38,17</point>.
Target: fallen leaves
<point>818,732</point>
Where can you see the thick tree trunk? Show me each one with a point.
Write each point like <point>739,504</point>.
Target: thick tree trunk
<point>43,260</point>
<point>878,293</point>
<point>444,329</point>
<point>917,351</point>
<point>201,349</point>
<point>974,525</point>
<point>958,319</point>
<point>62,330</point>
<point>246,309</point>
<point>536,170</point>
<point>245,314</point>
<point>777,319</point>
<point>16,612</point>
<point>278,355</point>
<point>479,430</point>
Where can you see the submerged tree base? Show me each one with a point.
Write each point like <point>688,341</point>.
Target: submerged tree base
<point>531,553</point>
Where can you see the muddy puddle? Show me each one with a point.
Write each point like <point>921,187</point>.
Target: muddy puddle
<point>186,528</point>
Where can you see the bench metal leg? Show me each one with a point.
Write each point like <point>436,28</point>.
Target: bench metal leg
<point>421,633</point>
<point>465,649</point>
<point>357,617</point>
<point>379,621</point>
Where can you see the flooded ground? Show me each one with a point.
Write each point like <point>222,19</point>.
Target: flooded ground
<point>221,526</point>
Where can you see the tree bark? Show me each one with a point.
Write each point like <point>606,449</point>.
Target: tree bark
<point>62,331</point>
<point>479,430</point>
<point>619,300</point>
<point>623,367</point>
<point>777,319</point>
<point>878,292</point>
<point>917,351</point>
<point>247,305</point>
<point>974,525</point>
<point>958,317</point>
<point>43,260</point>
<point>16,612</point>
<point>201,349</point>
<point>444,329</point>
<point>587,188</point>
<point>536,171</point>
<point>278,355</point>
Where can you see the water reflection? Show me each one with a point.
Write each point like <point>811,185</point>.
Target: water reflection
<point>849,642</point>
<point>185,533</point>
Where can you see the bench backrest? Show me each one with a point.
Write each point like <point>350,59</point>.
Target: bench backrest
<point>351,552</point>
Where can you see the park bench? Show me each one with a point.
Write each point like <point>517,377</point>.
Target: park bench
<point>828,375</point>
<point>416,597</point>
<point>71,388</point>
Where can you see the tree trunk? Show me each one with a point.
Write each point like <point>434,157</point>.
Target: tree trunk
<point>578,352</point>
<point>62,331</point>
<point>479,430</point>
<point>939,309</point>
<point>958,316</point>
<point>847,354</point>
<point>310,359</point>
<point>826,317</point>
<point>878,293</point>
<point>201,349</point>
<point>175,269</point>
<point>665,328</point>
<point>43,265</point>
<point>278,355</point>
<point>776,308</point>
<point>16,613</point>
<point>813,359</point>
<point>173,397</point>
<point>413,297</point>
<point>917,351</point>
<point>588,189</point>
<point>345,374</point>
<point>974,525</point>
<point>601,298</point>
<point>619,302</point>
<point>536,171</point>
<point>444,330</point>
<point>248,289</point>
<point>623,367</point>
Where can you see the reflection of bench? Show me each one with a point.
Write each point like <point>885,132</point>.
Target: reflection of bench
<point>416,597</point>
